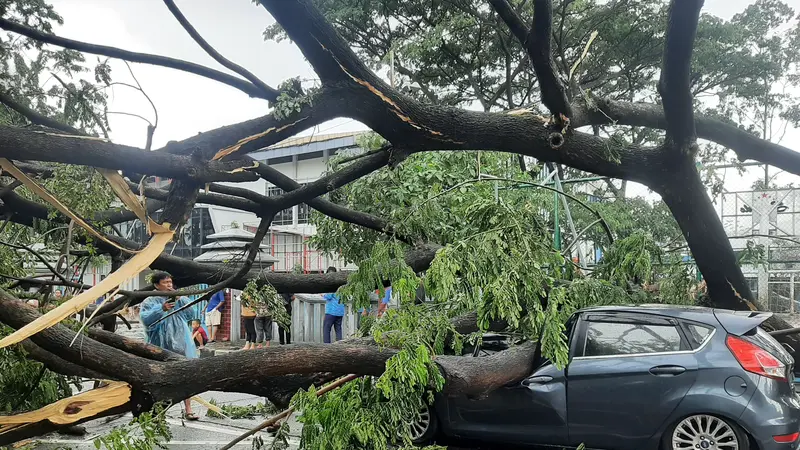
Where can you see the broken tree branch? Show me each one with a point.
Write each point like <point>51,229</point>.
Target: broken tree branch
<point>536,42</point>
<point>332,181</point>
<point>144,58</point>
<point>18,143</point>
<point>747,146</point>
<point>269,93</point>
<point>331,209</point>
<point>288,412</point>
<point>38,256</point>
<point>35,117</point>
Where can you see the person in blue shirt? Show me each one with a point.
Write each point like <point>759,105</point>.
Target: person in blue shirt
<point>172,333</point>
<point>213,314</point>
<point>334,312</point>
<point>385,301</point>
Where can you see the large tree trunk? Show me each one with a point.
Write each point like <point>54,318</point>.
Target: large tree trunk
<point>686,197</point>
<point>275,373</point>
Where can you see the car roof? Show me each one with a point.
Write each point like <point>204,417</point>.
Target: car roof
<point>688,312</point>
<point>735,321</point>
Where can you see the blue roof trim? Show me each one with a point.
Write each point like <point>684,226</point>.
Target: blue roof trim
<point>344,142</point>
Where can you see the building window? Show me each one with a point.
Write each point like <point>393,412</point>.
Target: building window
<point>285,217</point>
<point>279,160</point>
<point>303,213</point>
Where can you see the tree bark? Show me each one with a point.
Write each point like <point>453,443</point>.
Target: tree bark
<point>271,372</point>
<point>686,197</point>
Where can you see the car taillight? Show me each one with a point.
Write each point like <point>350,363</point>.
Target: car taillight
<point>786,438</point>
<point>755,359</point>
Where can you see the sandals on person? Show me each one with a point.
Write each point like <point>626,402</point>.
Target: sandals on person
<point>190,416</point>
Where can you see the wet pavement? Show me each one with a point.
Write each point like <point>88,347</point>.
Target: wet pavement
<point>207,433</point>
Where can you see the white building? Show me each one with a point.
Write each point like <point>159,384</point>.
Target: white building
<point>303,159</point>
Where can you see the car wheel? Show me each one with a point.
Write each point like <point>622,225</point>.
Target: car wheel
<point>424,427</point>
<point>705,432</point>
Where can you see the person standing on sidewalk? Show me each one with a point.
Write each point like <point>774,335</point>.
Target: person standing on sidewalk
<point>285,334</point>
<point>263,326</point>
<point>334,312</point>
<point>173,332</point>
<point>249,317</point>
<point>387,298</point>
<point>214,315</point>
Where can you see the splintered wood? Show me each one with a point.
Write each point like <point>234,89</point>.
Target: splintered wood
<point>140,261</point>
<point>235,147</point>
<point>12,170</point>
<point>133,266</point>
<point>72,409</point>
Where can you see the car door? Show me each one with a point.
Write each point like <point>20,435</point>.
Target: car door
<point>629,371</point>
<point>532,411</point>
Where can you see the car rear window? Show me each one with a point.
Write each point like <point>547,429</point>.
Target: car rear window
<point>615,338</point>
<point>698,334</point>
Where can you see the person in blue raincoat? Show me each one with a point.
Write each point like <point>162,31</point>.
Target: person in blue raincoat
<point>172,333</point>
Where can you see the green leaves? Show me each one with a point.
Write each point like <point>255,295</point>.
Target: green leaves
<point>386,263</point>
<point>148,431</point>
<point>243,411</point>
<point>630,260</point>
<point>25,386</point>
<point>265,301</point>
<point>370,413</point>
<point>292,98</point>
<point>506,272</point>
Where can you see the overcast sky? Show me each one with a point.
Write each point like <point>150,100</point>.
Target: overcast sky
<point>188,104</point>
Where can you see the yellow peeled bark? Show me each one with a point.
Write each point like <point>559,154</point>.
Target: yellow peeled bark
<point>72,409</point>
<point>235,147</point>
<point>9,167</point>
<point>140,261</point>
<point>130,200</point>
<point>133,266</point>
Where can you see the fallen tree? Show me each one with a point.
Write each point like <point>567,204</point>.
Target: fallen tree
<point>527,288</point>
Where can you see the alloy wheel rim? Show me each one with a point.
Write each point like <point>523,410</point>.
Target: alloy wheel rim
<point>420,426</point>
<point>703,432</point>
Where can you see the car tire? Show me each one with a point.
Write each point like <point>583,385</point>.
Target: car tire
<point>424,429</point>
<point>717,433</point>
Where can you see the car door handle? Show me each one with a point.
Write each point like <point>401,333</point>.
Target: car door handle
<point>667,370</point>
<point>537,380</point>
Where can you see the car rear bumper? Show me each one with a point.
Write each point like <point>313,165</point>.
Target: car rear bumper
<point>769,416</point>
<point>772,445</point>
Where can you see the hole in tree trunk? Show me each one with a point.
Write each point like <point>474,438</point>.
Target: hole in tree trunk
<point>555,140</point>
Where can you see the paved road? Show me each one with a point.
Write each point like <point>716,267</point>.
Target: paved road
<point>207,433</point>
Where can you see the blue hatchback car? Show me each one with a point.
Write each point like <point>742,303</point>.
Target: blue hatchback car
<point>644,377</point>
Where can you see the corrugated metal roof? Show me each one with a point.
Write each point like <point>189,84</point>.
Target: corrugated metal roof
<point>305,140</point>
